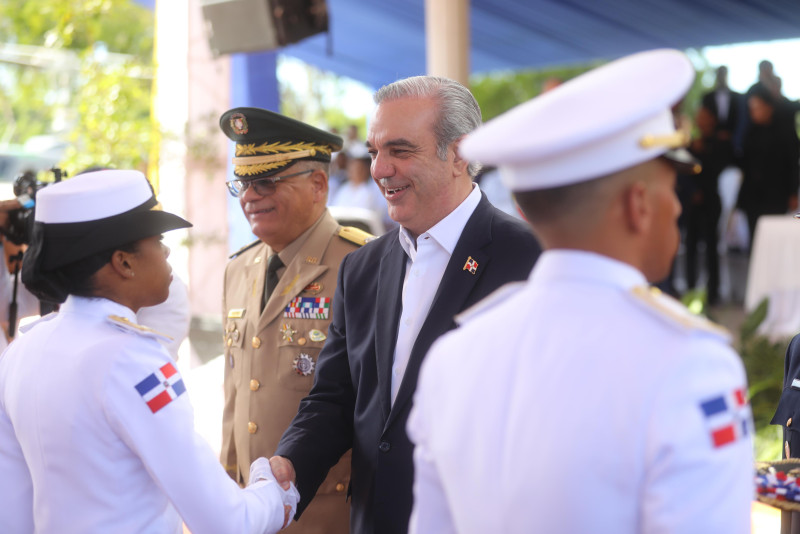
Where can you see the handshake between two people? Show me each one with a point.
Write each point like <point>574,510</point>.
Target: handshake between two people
<point>261,473</point>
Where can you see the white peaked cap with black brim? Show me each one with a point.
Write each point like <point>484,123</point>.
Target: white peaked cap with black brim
<point>91,213</point>
<point>606,120</point>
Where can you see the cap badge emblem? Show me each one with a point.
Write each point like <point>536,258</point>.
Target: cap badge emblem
<point>303,364</point>
<point>239,123</point>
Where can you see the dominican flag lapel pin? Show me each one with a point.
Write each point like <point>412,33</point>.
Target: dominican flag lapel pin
<point>161,387</point>
<point>471,265</point>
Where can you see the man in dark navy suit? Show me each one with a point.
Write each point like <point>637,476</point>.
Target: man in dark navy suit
<point>396,296</point>
<point>727,107</point>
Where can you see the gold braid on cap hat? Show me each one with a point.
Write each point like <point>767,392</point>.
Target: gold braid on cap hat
<point>676,139</point>
<point>277,155</point>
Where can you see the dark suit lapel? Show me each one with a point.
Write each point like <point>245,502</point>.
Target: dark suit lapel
<point>389,303</point>
<point>454,290</point>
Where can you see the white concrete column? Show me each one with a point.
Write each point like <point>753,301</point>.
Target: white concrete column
<point>447,39</point>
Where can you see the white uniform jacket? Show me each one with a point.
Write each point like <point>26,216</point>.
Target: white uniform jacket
<point>96,435</point>
<point>580,402</point>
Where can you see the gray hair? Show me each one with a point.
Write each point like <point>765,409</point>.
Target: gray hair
<point>458,111</point>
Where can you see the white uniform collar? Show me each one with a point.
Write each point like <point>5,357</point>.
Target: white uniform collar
<point>561,264</point>
<point>98,307</point>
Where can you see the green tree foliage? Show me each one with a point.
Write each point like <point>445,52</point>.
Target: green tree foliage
<point>497,92</point>
<point>85,74</point>
<point>317,97</point>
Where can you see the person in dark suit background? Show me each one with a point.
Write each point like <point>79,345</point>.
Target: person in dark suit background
<point>787,415</point>
<point>703,204</point>
<point>727,108</point>
<point>769,162</point>
<point>396,295</point>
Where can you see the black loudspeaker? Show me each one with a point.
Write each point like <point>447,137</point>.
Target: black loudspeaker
<point>235,26</point>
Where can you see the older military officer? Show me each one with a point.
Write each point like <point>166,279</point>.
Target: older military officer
<point>96,433</point>
<point>608,407</point>
<point>278,294</point>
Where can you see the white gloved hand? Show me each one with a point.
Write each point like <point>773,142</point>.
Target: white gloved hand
<point>261,470</point>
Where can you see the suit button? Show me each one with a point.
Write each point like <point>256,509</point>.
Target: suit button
<point>789,422</point>
<point>252,427</point>
<point>229,342</point>
<point>256,342</point>
<point>340,487</point>
<point>385,446</point>
<point>254,385</point>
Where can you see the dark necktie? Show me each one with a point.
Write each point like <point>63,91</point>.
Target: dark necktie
<point>275,263</point>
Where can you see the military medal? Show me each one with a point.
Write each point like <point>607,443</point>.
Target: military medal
<point>317,335</point>
<point>313,288</point>
<point>288,332</point>
<point>471,265</point>
<point>303,364</point>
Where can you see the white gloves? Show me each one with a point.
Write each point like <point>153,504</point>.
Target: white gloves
<point>260,470</point>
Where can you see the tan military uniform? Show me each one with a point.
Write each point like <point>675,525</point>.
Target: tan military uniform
<point>270,357</point>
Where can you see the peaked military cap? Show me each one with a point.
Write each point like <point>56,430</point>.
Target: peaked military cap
<point>268,142</point>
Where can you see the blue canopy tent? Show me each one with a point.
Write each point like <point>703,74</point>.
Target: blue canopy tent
<point>379,41</point>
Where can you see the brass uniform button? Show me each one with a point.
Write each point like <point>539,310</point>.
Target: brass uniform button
<point>230,342</point>
<point>252,427</point>
<point>339,487</point>
<point>789,422</point>
<point>254,385</point>
<point>256,342</point>
<point>301,341</point>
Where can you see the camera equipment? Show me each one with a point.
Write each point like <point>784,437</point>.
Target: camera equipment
<point>20,221</point>
<point>19,231</point>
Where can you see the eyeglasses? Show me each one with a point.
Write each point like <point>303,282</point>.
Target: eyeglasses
<point>262,186</point>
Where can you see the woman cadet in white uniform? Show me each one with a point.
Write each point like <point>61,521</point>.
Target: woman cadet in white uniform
<point>96,431</point>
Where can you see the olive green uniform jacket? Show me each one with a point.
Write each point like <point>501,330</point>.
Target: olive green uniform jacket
<point>269,357</point>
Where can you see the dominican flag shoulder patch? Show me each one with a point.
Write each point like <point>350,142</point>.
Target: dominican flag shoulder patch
<point>161,387</point>
<point>728,417</point>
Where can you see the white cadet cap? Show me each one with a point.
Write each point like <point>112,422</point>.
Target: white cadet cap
<point>92,196</point>
<point>606,120</point>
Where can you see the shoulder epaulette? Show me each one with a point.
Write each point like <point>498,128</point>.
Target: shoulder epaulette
<point>674,311</point>
<point>27,326</point>
<point>355,235</point>
<point>492,300</point>
<point>244,248</point>
<point>126,324</point>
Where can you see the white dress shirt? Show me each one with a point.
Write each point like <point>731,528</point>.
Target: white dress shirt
<point>96,435</point>
<point>427,260</point>
<point>581,402</point>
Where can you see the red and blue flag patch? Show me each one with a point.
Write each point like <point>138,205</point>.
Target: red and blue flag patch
<point>161,387</point>
<point>728,417</point>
